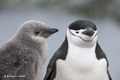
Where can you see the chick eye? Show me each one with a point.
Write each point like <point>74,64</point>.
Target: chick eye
<point>36,33</point>
<point>77,32</point>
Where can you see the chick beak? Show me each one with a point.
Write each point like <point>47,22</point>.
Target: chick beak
<point>49,32</point>
<point>52,30</point>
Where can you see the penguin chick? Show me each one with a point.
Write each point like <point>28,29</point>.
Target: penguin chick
<point>80,57</point>
<point>22,57</point>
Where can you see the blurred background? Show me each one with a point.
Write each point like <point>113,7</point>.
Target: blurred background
<point>59,14</point>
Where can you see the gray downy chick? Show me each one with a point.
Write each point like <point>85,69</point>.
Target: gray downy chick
<point>22,57</point>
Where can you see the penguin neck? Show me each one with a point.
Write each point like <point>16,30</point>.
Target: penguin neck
<point>74,48</point>
<point>44,51</point>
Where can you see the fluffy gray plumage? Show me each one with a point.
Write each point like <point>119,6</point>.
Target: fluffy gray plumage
<point>22,57</point>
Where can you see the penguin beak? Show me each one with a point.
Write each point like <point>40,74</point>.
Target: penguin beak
<point>52,30</point>
<point>49,32</point>
<point>89,32</point>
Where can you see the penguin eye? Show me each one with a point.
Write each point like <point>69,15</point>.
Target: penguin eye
<point>77,32</point>
<point>36,33</point>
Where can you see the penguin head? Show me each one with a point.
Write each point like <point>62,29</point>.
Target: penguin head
<point>36,31</point>
<point>82,33</point>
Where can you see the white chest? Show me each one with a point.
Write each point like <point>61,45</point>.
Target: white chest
<point>42,56</point>
<point>81,64</point>
<point>44,52</point>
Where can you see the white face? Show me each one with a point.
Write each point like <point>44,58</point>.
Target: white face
<point>38,39</point>
<point>79,39</point>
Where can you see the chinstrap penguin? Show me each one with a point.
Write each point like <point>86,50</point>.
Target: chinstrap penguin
<point>22,57</point>
<point>80,57</point>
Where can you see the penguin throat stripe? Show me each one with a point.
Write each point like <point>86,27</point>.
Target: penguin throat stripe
<point>82,38</point>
